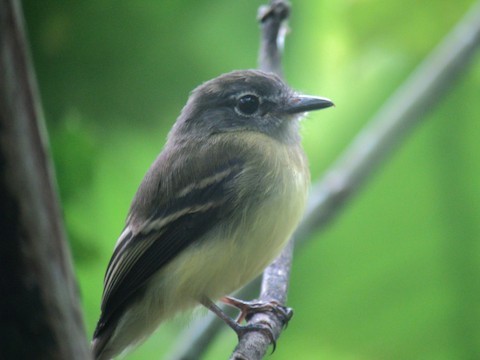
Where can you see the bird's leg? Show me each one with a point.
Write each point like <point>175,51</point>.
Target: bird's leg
<point>240,330</point>
<point>248,308</point>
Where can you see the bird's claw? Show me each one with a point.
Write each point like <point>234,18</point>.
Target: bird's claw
<point>263,327</point>
<point>250,308</point>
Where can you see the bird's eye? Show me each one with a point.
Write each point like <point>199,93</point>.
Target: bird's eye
<point>248,104</point>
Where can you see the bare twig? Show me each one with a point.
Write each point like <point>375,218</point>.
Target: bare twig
<point>272,20</point>
<point>424,89</point>
<point>254,344</point>
<point>40,315</point>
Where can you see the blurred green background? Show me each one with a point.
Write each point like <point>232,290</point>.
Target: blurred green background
<point>396,276</point>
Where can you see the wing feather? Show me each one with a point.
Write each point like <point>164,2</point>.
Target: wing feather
<point>171,228</point>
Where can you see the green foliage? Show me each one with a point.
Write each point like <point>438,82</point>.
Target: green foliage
<point>396,275</point>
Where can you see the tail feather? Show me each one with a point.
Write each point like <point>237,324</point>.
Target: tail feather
<point>99,350</point>
<point>100,344</point>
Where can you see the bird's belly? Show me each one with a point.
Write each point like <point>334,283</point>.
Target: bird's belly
<point>225,260</point>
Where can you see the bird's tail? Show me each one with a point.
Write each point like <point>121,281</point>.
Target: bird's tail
<point>100,344</point>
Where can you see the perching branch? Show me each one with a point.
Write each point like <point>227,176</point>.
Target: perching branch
<point>254,344</point>
<point>40,316</point>
<point>273,18</point>
<point>406,108</point>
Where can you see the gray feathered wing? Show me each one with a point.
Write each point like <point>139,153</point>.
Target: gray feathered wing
<point>172,226</point>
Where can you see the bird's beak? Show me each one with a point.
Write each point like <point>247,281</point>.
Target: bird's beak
<point>304,103</point>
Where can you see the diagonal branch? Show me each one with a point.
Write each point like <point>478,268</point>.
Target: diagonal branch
<point>406,108</point>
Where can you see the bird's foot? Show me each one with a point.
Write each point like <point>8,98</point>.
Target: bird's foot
<point>262,327</point>
<point>249,308</point>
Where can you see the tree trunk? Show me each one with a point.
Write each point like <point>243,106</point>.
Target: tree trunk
<point>40,316</point>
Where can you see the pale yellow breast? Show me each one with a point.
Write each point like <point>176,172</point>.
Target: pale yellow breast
<point>235,254</point>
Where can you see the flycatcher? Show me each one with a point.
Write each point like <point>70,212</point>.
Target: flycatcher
<point>214,209</point>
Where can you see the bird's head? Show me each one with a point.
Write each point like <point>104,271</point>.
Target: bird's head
<point>246,100</point>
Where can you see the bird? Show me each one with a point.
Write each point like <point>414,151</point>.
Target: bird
<point>215,208</point>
